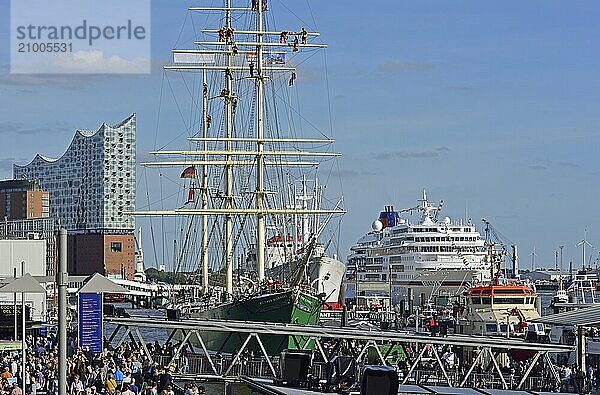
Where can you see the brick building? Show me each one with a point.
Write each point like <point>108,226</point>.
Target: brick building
<point>22,199</point>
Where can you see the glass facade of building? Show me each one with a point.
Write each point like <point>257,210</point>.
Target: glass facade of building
<point>92,185</point>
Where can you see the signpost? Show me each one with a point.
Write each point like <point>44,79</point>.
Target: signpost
<point>90,322</point>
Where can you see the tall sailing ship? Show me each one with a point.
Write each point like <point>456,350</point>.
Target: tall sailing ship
<point>418,263</point>
<point>242,168</point>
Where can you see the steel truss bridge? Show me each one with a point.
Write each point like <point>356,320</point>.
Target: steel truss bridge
<point>487,355</point>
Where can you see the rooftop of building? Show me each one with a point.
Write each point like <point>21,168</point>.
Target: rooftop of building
<point>19,185</point>
<point>82,133</point>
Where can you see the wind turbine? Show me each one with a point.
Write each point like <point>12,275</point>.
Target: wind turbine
<point>583,243</point>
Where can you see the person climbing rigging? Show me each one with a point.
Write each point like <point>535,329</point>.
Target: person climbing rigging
<point>295,45</point>
<point>304,34</point>
<point>205,90</point>
<point>222,34</point>
<point>229,34</point>
<point>292,78</point>
<point>251,65</point>
<point>208,121</point>
<point>283,37</point>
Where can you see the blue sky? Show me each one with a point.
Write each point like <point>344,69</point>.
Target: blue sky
<point>490,106</point>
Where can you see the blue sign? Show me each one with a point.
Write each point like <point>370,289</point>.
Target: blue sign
<point>90,322</point>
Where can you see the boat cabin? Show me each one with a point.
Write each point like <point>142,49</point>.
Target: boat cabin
<point>499,309</point>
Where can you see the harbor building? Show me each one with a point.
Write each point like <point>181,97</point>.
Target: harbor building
<point>33,229</point>
<point>91,189</point>
<point>25,214</point>
<point>21,199</point>
<point>14,254</point>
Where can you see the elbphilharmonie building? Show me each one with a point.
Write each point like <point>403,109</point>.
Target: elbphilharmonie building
<point>92,189</point>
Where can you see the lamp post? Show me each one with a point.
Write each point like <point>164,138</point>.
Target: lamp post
<point>62,281</point>
<point>15,309</point>
<point>24,340</point>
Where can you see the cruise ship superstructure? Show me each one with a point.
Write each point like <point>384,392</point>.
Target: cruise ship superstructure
<point>417,263</point>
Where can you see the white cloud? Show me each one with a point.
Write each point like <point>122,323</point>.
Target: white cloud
<point>83,62</point>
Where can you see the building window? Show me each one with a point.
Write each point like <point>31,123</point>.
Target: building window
<point>116,246</point>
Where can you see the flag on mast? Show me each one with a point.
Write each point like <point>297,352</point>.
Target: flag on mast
<point>191,195</point>
<point>189,172</point>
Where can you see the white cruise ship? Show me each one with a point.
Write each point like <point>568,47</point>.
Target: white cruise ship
<point>417,263</point>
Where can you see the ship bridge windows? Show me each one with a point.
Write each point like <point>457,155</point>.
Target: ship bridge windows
<point>504,328</point>
<point>491,328</point>
<point>500,291</point>
<point>511,301</point>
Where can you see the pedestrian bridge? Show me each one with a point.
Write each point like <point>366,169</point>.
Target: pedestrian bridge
<point>481,361</point>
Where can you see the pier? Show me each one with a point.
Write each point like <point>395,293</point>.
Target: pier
<point>483,360</point>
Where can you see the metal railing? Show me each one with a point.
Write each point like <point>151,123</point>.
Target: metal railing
<point>199,364</point>
<point>477,380</point>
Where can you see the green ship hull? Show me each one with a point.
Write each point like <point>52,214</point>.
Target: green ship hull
<point>287,307</point>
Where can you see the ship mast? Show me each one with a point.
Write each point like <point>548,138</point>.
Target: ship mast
<point>204,188</point>
<point>229,97</point>
<point>260,218</point>
<point>304,198</point>
<point>230,156</point>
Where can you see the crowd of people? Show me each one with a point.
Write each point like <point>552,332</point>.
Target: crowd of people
<point>127,370</point>
<point>577,380</point>
<point>123,370</point>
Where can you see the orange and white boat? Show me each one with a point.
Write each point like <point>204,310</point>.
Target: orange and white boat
<point>501,308</point>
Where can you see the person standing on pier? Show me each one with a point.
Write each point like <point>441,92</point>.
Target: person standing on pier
<point>127,390</point>
<point>16,390</point>
<point>76,386</point>
<point>118,376</point>
<point>110,385</point>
